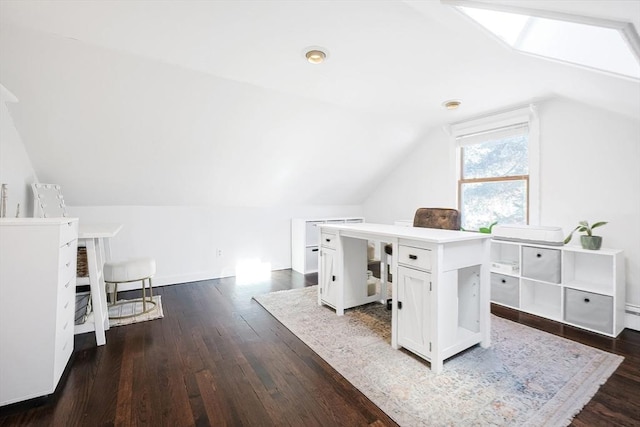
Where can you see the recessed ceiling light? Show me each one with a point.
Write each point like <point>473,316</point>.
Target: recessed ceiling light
<point>452,104</point>
<point>315,55</point>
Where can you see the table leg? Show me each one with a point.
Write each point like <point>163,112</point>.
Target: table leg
<point>96,282</point>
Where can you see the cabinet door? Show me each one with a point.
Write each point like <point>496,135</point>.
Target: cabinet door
<point>328,286</point>
<point>414,310</point>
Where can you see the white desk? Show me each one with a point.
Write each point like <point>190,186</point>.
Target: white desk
<point>96,238</point>
<point>441,284</point>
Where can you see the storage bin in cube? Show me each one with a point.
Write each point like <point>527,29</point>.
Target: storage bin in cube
<point>541,264</point>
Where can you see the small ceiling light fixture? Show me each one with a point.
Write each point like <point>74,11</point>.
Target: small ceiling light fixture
<point>452,104</point>
<point>315,55</point>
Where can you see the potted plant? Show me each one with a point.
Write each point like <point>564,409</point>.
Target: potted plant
<point>588,241</point>
<point>487,230</point>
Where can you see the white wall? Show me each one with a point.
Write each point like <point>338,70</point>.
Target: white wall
<point>15,166</point>
<point>185,240</point>
<point>588,170</point>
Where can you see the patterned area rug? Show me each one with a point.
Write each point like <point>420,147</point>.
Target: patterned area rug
<point>125,308</point>
<point>526,378</point>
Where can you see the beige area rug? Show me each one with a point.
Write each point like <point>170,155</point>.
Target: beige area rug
<point>526,378</point>
<point>125,308</point>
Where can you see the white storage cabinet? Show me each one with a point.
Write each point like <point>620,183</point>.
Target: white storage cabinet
<point>37,304</point>
<point>568,284</point>
<point>438,301</point>
<point>304,241</point>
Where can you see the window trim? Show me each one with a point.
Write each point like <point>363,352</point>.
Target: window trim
<point>494,121</point>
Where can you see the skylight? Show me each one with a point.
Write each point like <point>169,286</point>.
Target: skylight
<point>605,45</point>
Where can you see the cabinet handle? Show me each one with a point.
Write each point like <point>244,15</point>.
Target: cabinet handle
<point>413,256</point>
<point>503,281</point>
<point>333,278</point>
<point>399,305</point>
<point>539,255</point>
<point>328,240</point>
<point>314,250</point>
<point>587,300</point>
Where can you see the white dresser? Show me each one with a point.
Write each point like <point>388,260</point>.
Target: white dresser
<point>37,304</point>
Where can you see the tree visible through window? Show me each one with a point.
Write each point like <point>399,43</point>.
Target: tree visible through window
<point>494,180</point>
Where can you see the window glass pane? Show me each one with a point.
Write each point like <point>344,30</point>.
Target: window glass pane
<point>496,158</point>
<point>483,203</point>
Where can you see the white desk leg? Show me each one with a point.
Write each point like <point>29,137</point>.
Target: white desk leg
<point>341,276</point>
<point>393,268</point>
<point>383,273</point>
<point>485,296</point>
<point>94,260</point>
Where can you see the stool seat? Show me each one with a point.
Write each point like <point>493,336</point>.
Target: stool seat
<point>129,270</point>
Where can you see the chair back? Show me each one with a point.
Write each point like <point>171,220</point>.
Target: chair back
<point>443,218</point>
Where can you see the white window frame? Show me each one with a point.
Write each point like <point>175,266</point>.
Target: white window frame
<point>470,130</point>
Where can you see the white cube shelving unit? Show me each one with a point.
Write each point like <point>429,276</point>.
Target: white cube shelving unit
<point>304,241</point>
<point>568,284</point>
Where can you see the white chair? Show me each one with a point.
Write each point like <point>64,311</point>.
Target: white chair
<point>131,270</point>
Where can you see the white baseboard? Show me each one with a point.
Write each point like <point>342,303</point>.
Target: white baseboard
<point>632,317</point>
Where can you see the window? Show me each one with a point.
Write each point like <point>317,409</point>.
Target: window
<point>494,170</point>
<point>599,44</point>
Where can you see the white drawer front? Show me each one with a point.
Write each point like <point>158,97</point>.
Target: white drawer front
<point>328,240</point>
<point>67,261</point>
<point>414,257</point>
<point>68,232</point>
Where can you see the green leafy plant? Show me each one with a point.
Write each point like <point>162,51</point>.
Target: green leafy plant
<point>584,227</point>
<point>487,230</point>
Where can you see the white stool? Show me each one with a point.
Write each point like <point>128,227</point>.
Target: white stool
<point>131,270</point>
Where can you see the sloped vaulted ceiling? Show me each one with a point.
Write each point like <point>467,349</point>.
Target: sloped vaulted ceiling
<point>211,102</point>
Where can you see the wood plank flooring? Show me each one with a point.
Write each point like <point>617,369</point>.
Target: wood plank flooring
<point>218,358</point>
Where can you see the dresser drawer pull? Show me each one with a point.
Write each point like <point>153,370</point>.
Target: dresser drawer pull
<point>413,257</point>
<point>328,240</point>
<point>587,300</point>
<point>539,255</point>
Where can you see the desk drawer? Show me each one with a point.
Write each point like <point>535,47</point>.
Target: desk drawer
<point>68,232</point>
<point>328,240</point>
<point>414,257</point>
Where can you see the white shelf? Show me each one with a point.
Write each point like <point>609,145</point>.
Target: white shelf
<point>593,280</point>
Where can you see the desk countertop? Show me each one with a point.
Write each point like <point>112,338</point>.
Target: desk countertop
<point>98,230</point>
<point>433,235</point>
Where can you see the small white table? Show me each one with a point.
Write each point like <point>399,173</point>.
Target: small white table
<point>440,298</point>
<point>96,239</point>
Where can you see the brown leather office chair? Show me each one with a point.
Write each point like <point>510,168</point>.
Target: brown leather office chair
<point>442,218</point>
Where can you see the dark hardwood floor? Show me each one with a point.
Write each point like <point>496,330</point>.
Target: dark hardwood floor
<point>218,358</point>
